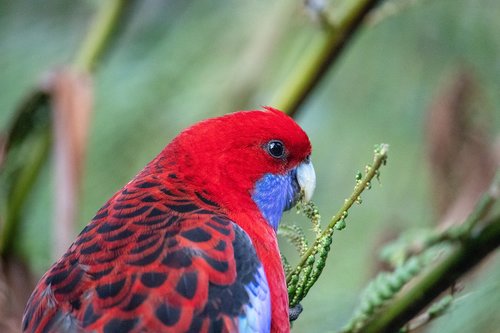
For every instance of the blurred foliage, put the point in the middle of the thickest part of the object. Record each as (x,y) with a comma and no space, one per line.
(177,62)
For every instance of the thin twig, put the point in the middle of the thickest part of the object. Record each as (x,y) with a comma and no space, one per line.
(311,264)
(379,160)
(97,39)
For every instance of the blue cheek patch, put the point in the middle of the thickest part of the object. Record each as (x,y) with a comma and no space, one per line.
(274,194)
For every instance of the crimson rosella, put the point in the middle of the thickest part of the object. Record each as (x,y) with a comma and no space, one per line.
(189,245)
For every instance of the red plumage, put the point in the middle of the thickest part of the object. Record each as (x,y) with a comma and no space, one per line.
(174,250)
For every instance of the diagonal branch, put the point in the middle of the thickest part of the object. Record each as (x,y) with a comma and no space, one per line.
(476,245)
(322,54)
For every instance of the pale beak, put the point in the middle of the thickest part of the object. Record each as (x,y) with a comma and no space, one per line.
(306,177)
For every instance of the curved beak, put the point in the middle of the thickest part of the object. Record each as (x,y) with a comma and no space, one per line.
(306,177)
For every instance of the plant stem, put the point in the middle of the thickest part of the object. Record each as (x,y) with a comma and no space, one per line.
(98,37)
(462,259)
(324,50)
(378,161)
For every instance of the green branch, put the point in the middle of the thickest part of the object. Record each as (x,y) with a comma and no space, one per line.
(480,236)
(103,28)
(461,260)
(325,49)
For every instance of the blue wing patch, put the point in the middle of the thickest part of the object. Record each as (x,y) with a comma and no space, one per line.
(257,313)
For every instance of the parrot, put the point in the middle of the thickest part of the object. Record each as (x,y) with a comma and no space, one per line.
(190,243)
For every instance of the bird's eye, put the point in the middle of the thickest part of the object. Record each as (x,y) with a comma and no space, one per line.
(276,149)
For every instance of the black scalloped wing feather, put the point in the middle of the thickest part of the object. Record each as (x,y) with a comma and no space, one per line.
(154,259)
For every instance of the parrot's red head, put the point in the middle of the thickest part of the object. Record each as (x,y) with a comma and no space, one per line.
(245,159)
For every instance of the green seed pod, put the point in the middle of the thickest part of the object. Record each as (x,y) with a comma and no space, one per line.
(394,283)
(383,287)
(413,266)
(403,274)
(340,225)
(366,307)
(359,176)
(375,299)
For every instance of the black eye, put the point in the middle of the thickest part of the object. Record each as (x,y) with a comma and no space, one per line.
(276,149)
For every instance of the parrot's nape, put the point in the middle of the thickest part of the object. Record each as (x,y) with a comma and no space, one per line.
(189,245)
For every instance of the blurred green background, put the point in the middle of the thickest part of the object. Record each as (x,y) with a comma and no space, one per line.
(177,62)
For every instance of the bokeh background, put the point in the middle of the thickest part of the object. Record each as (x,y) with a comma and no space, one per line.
(176,62)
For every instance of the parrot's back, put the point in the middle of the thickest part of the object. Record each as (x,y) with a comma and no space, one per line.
(157,257)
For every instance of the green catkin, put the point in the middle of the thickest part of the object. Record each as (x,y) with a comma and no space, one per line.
(385,287)
(323,251)
(311,276)
(303,279)
(292,286)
